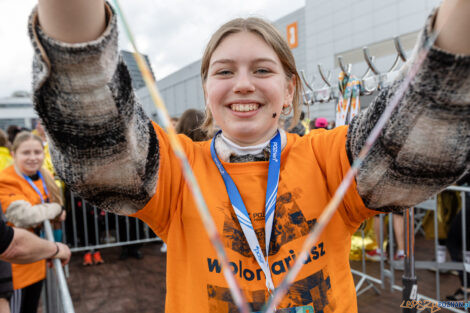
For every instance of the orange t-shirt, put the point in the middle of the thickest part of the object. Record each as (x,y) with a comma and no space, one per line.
(312,167)
(12,188)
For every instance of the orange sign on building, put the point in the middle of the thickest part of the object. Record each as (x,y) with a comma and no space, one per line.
(292,37)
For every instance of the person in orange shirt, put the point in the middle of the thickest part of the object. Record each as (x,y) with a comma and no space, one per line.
(111,153)
(28,196)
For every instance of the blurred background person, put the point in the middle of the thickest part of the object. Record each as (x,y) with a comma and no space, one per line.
(190,123)
(320,122)
(12,131)
(28,196)
(47,164)
(454,241)
(174,121)
(399,231)
(92,256)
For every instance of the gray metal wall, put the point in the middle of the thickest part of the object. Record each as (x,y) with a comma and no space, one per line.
(343,27)
(182,90)
(326,29)
(299,52)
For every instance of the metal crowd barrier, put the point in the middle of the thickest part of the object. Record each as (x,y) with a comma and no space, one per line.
(413,226)
(104,231)
(56,295)
(90,230)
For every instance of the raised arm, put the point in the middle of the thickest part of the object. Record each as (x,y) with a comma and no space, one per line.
(425,145)
(102,144)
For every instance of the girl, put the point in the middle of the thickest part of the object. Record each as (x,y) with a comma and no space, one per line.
(107,149)
(28,196)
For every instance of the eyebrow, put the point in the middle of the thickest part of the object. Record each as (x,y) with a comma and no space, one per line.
(229,61)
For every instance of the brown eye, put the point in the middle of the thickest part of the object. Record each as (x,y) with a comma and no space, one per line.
(223,73)
(263,71)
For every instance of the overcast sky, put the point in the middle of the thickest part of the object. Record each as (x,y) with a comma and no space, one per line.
(173,33)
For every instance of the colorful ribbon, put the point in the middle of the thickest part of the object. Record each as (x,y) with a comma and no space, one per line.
(349,103)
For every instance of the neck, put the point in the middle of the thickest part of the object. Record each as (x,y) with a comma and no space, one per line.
(34,176)
(250,142)
(226,148)
(243,150)
(21,173)
(28,173)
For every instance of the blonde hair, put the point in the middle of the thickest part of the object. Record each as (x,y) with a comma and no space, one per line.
(55,193)
(273,38)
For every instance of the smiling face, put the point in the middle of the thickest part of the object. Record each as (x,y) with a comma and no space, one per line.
(246,88)
(28,157)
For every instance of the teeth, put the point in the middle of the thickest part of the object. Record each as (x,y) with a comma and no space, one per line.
(245,107)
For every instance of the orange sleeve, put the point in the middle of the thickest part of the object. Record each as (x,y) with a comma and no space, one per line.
(10,190)
(159,211)
(330,150)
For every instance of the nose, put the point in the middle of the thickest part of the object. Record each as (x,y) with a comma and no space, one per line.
(243,83)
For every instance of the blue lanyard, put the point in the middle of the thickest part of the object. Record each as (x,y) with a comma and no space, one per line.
(270,204)
(36,188)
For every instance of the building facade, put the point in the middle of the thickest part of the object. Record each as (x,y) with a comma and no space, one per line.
(17,110)
(318,33)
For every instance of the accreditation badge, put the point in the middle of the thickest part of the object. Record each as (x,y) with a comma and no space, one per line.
(297,309)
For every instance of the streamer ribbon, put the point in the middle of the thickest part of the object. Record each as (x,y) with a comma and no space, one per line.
(328,212)
(349,103)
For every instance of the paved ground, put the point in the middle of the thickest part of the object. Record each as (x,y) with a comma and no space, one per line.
(139,285)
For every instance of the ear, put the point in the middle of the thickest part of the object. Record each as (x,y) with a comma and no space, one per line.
(290,90)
